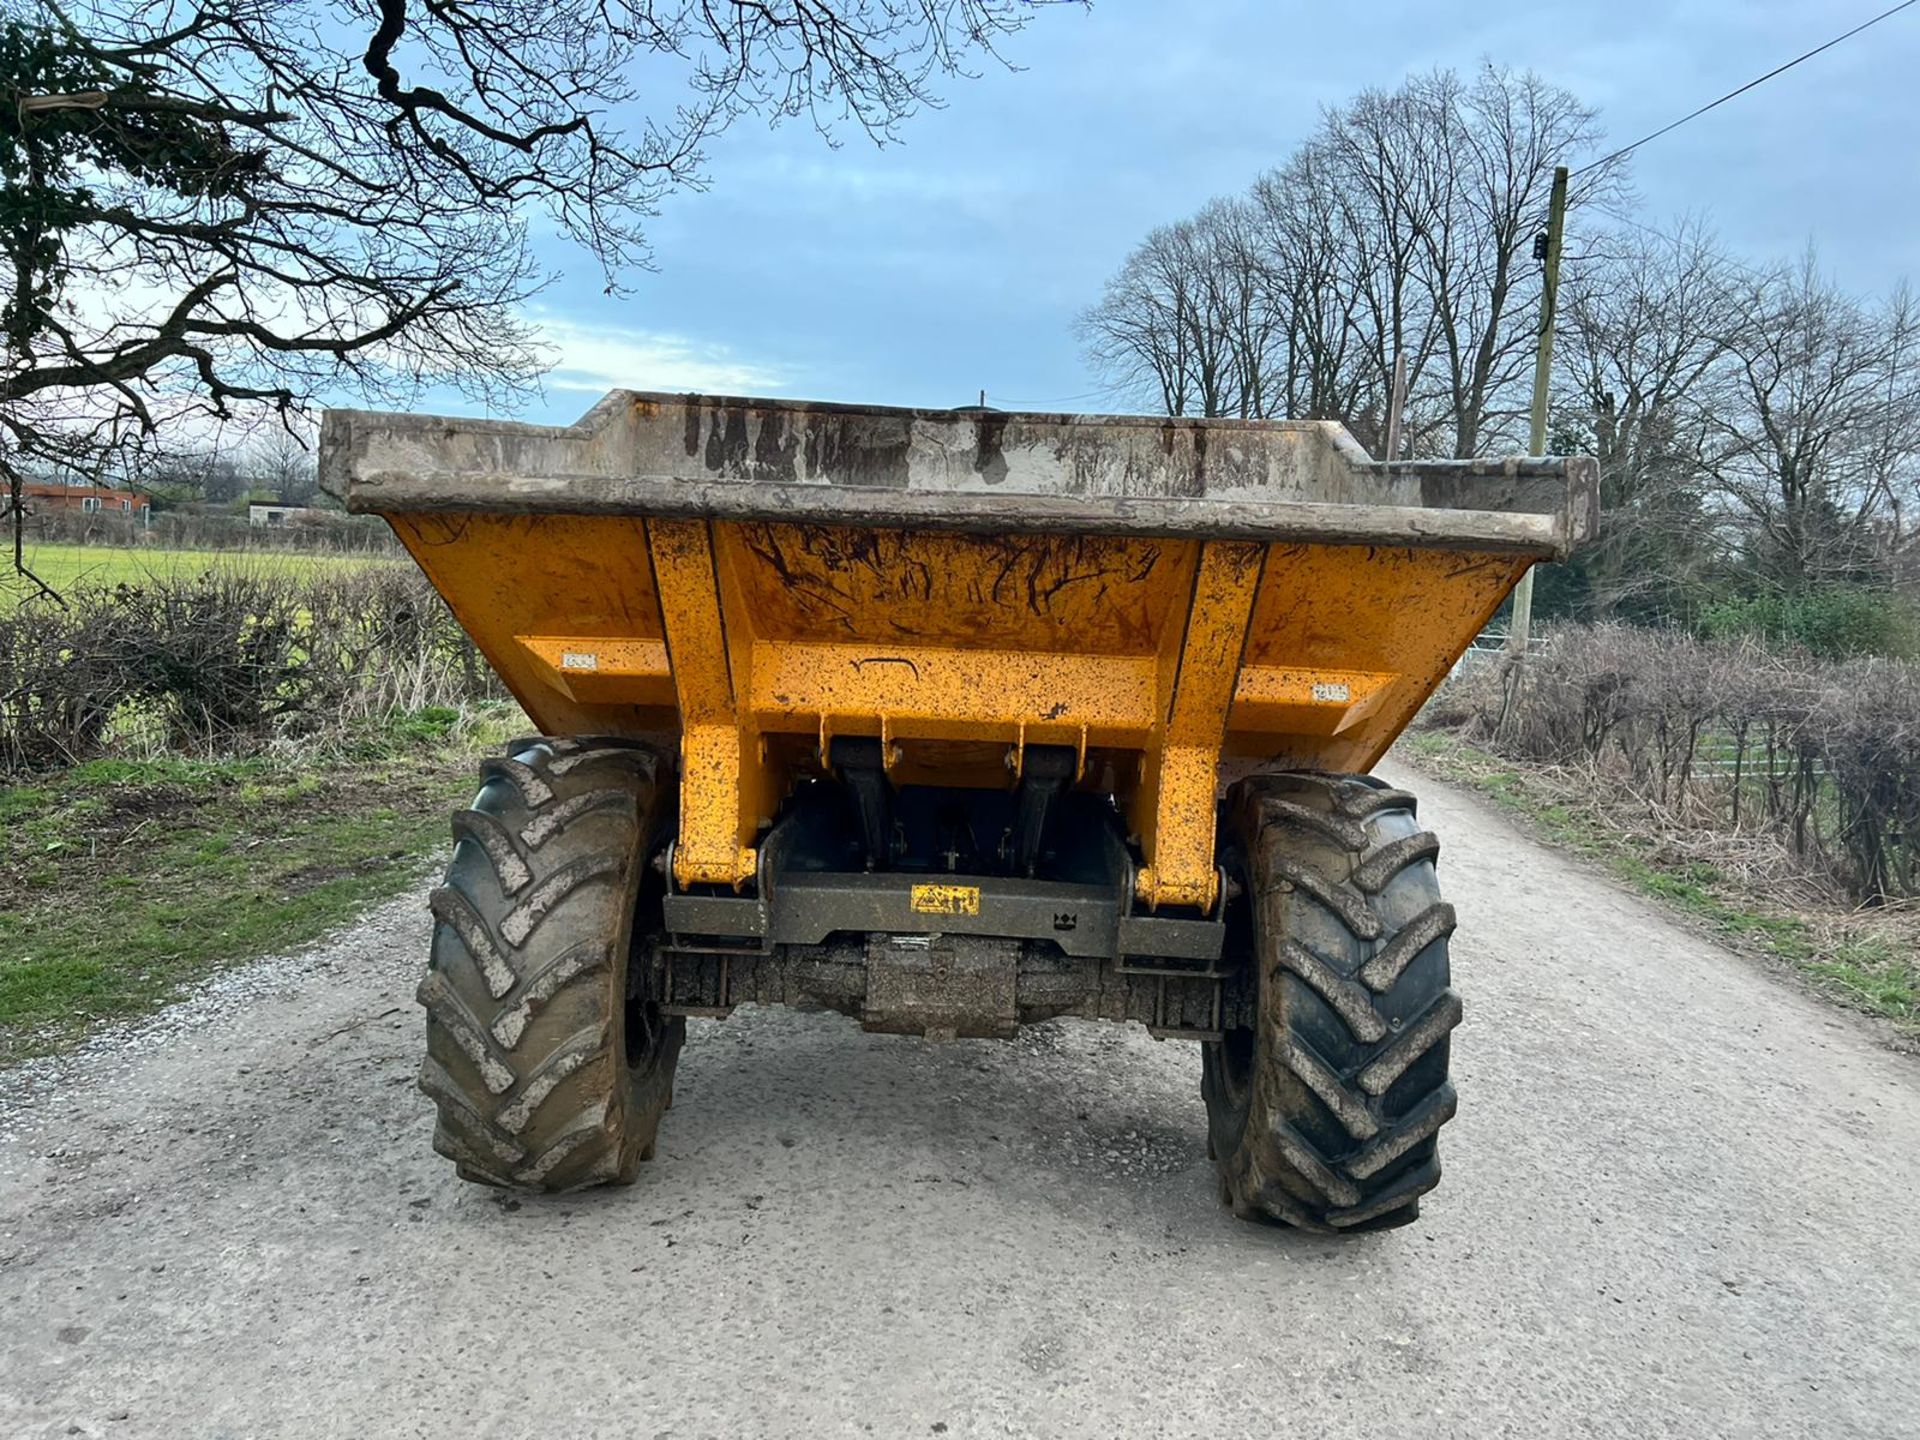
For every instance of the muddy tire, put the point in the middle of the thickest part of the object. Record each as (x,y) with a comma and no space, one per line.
(547,1059)
(1323,1114)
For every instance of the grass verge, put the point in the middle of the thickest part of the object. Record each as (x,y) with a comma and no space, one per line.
(1869,960)
(129,880)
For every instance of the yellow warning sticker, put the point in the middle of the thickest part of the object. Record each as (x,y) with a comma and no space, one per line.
(946,899)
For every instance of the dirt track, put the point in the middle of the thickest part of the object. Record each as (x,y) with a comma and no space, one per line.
(1679,1202)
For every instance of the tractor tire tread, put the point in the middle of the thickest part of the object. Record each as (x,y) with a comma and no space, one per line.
(1350,939)
(525,1063)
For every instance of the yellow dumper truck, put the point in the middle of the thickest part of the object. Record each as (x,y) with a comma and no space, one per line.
(953,721)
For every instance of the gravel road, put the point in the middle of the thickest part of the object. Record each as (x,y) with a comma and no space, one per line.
(1680,1201)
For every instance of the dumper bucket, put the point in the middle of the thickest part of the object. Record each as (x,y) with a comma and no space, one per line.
(1178,602)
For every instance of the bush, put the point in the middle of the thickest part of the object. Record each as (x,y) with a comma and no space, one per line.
(215,656)
(1834,623)
(225,662)
(1823,754)
(199,529)
(382,640)
(58,689)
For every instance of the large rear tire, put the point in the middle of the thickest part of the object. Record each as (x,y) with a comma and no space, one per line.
(1323,1114)
(547,1056)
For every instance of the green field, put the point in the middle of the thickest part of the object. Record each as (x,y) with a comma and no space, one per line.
(65,567)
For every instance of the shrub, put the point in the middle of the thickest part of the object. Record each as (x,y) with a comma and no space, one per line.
(214,655)
(1832,623)
(201,529)
(1823,754)
(59,688)
(226,661)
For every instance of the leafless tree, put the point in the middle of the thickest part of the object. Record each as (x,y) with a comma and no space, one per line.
(1318,268)
(1645,330)
(1494,143)
(1405,224)
(1136,337)
(181,467)
(211,205)
(1756,430)
(281,462)
(1817,440)
(1180,325)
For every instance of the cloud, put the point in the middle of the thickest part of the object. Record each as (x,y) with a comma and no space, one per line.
(596,358)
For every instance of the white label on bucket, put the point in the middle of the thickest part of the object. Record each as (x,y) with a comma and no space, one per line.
(579,660)
(1331,691)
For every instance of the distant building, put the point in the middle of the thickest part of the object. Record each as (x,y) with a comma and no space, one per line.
(88,499)
(282,515)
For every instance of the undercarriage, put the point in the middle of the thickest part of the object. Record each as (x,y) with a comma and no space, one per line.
(950,912)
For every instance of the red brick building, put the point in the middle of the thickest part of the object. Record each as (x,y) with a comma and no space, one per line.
(89,499)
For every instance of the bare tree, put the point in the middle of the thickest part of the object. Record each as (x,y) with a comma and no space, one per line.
(1817,440)
(1137,336)
(1235,303)
(1493,144)
(177,466)
(1165,329)
(1755,430)
(1383,174)
(281,462)
(236,203)
(1405,224)
(1317,267)
(1646,322)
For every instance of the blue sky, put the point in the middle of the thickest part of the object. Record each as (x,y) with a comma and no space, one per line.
(956,259)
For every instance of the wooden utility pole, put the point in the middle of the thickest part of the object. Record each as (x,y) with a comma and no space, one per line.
(1542,373)
(1396,407)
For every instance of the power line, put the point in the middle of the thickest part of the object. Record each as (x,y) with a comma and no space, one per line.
(1067,399)
(1626,150)
(1719,256)
(1731,94)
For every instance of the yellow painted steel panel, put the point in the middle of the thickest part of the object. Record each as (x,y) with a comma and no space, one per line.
(953,694)
(1172,666)
(1173,810)
(1086,594)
